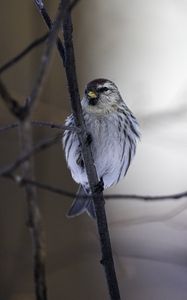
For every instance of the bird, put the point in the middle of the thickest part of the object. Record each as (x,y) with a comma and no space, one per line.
(113,132)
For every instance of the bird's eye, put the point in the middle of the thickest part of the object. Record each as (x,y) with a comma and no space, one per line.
(103,89)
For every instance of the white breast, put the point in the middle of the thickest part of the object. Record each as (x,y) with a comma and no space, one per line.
(107,146)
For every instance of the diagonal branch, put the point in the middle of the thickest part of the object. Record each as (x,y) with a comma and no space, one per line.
(30,152)
(24,52)
(73,4)
(62,192)
(10,102)
(107,258)
(47,19)
(45,62)
(8,126)
(39,124)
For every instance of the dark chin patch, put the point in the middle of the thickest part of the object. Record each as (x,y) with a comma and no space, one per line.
(92,101)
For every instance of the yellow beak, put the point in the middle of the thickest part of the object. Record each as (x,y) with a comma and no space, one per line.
(92,95)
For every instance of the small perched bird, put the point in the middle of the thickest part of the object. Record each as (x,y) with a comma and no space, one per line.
(113,132)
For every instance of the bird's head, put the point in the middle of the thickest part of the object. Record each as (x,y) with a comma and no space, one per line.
(101,97)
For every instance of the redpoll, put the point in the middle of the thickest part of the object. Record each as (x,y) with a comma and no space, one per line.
(114,132)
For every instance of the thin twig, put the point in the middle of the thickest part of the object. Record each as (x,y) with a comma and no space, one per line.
(54,125)
(9,101)
(59,191)
(147,198)
(39,124)
(73,4)
(8,127)
(24,52)
(41,7)
(107,258)
(47,19)
(45,60)
(46,143)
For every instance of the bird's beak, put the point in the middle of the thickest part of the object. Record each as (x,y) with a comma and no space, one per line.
(92,95)
(92,98)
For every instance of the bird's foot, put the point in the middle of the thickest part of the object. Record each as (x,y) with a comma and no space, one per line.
(99,187)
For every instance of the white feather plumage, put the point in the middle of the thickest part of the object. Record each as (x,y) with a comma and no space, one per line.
(114,131)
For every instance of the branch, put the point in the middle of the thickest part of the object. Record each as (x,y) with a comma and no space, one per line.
(73,4)
(107,259)
(39,124)
(9,101)
(24,52)
(44,14)
(59,191)
(146,198)
(34,217)
(30,152)
(45,61)
(8,126)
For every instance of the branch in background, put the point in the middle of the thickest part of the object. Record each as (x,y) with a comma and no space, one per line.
(24,52)
(39,124)
(9,101)
(147,198)
(45,62)
(8,126)
(62,192)
(47,19)
(34,216)
(73,4)
(32,150)
(59,191)
(107,258)
(38,41)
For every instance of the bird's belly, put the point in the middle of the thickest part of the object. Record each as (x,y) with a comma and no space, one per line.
(107,157)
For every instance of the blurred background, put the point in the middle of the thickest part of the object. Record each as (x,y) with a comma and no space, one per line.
(142,47)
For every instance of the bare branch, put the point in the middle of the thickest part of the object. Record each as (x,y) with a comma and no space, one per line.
(23,114)
(51,125)
(59,191)
(54,125)
(147,198)
(8,126)
(34,217)
(24,52)
(107,258)
(9,101)
(73,4)
(41,7)
(32,150)
(45,60)
(39,124)
(47,19)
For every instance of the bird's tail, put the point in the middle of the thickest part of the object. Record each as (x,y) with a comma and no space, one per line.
(82,204)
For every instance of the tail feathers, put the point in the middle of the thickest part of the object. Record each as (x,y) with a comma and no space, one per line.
(82,204)
(90,209)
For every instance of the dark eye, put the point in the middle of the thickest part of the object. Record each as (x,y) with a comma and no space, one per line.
(103,89)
